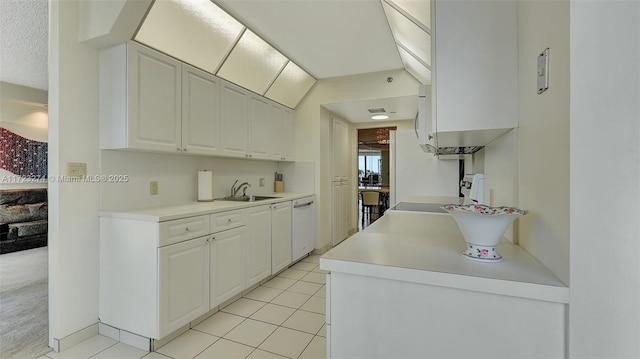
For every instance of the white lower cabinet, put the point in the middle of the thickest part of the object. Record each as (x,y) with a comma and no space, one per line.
(156,277)
(227,266)
(280,236)
(269,240)
(182,300)
(371,317)
(259,244)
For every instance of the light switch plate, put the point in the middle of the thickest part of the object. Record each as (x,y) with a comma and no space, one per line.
(543,71)
(153,188)
(76,169)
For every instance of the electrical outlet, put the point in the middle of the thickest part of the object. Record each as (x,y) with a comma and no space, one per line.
(261,181)
(153,188)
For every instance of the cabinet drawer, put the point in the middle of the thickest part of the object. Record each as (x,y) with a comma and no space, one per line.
(182,229)
(226,220)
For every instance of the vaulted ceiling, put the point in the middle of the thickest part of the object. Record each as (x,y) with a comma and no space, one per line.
(326,38)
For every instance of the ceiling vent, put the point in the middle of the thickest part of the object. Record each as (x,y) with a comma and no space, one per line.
(377,110)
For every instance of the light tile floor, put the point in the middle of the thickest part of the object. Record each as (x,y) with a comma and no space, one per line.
(283,318)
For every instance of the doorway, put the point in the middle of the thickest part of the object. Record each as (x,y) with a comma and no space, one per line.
(373,174)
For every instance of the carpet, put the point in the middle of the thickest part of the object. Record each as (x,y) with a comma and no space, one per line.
(24,313)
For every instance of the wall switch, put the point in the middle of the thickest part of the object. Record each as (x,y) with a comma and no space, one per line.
(261,181)
(543,71)
(76,169)
(153,188)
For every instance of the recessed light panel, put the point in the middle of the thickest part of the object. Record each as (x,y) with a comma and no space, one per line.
(420,10)
(195,31)
(252,64)
(290,86)
(411,36)
(415,67)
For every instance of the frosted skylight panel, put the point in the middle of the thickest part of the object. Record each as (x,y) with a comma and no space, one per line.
(411,36)
(418,9)
(195,31)
(415,67)
(290,86)
(252,64)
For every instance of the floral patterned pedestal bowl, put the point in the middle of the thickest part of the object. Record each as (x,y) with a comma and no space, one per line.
(482,227)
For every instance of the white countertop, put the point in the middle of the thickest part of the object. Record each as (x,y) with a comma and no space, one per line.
(167,213)
(426,248)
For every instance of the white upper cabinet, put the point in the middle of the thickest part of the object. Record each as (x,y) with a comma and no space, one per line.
(260,126)
(234,118)
(150,101)
(282,133)
(200,112)
(474,70)
(140,99)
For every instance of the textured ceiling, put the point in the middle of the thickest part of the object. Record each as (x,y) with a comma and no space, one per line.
(23,42)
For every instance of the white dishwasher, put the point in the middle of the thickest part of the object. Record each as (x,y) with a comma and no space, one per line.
(303,239)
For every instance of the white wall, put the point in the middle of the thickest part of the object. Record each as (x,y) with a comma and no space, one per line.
(605,190)
(419,173)
(177,178)
(73,207)
(535,158)
(501,175)
(312,127)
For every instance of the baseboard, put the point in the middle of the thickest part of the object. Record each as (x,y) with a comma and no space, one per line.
(75,338)
(157,344)
(125,337)
(321,250)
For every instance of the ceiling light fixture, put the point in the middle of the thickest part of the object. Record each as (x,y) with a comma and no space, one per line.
(379,117)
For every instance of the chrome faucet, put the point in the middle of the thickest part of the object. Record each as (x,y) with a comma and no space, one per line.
(244,187)
(235,190)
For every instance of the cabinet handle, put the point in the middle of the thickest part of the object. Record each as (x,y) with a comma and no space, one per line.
(185,149)
(178,149)
(187,229)
(228,220)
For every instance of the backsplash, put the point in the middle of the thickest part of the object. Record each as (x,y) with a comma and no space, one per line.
(177,178)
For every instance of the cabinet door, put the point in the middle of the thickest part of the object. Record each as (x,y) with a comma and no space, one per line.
(287,125)
(260,127)
(183,283)
(282,133)
(200,112)
(227,264)
(280,236)
(277,136)
(337,213)
(154,100)
(258,264)
(488,60)
(233,120)
(346,209)
(339,146)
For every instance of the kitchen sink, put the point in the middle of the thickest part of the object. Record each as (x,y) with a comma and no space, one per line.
(248,198)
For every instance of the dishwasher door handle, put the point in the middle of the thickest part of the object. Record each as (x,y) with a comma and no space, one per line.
(303,204)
